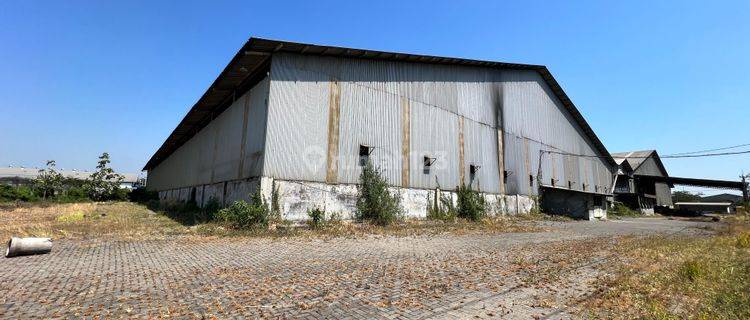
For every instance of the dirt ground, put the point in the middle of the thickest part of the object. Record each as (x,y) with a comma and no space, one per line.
(542,274)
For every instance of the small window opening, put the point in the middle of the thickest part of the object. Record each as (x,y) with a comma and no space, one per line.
(531,181)
(552,181)
(428,162)
(570,184)
(473,169)
(506,174)
(364,154)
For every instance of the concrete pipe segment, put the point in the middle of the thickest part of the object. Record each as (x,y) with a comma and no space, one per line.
(27,246)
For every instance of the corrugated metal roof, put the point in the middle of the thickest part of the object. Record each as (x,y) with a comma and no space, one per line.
(251,63)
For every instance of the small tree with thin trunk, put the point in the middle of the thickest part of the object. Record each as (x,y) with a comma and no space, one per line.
(375,203)
(104,182)
(49,181)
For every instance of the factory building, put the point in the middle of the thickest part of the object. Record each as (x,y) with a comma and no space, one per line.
(304,118)
(642,181)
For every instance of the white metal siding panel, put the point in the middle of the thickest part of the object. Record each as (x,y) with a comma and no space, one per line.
(434,133)
(373,118)
(480,148)
(256,130)
(534,120)
(214,150)
(297,135)
(532,111)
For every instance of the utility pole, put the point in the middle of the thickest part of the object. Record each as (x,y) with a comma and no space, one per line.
(744,178)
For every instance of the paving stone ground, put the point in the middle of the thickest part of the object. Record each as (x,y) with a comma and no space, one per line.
(504,275)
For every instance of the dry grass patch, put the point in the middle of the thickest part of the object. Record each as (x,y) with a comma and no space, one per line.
(122,220)
(680,277)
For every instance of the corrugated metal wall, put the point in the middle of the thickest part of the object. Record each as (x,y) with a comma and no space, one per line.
(439,96)
(534,119)
(663,194)
(215,153)
(649,167)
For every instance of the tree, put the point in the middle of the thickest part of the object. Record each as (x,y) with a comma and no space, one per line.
(49,181)
(686,196)
(104,183)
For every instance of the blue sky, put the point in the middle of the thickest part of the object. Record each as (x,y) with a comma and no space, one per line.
(81,77)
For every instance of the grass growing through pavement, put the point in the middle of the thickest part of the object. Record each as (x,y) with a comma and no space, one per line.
(682,277)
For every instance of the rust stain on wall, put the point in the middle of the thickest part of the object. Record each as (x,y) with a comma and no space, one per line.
(461,150)
(405,143)
(334,110)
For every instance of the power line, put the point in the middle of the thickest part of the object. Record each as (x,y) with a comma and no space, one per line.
(710,150)
(645,157)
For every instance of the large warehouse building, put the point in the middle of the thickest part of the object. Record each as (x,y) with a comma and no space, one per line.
(304,117)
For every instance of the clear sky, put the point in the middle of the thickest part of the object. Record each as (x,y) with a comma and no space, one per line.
(81,77)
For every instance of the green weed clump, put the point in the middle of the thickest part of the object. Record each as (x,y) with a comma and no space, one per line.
(621,210)
(242,215)
(441,208)
(375,203)
(471,205)
(317,217)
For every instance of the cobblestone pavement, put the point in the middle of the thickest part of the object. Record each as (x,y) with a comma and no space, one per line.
(506,275)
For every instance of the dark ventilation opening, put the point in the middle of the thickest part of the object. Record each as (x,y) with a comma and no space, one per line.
(531,181)
(364,154)
(584,187)
(427,161)
(552,181)
(473,169)
(570,184)
(506,173)
(597,201)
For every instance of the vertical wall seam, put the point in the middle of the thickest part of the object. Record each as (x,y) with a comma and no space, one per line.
(405,143)
(527,162)
(334,110)
(461,150)
(244,135)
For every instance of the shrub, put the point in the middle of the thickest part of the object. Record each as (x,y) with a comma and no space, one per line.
(471,205)
(620,209)
(21,193)
(317,217)
(243,215)
(374,202)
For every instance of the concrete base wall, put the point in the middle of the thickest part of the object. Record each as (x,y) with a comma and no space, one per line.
(223,192)
(297,197)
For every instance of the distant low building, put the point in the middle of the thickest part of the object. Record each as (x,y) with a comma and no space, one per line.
(640,181)
(706,207)
(18,176)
